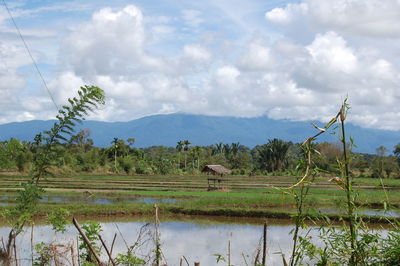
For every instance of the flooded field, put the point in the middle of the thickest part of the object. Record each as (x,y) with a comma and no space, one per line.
(197,239)
(5,200)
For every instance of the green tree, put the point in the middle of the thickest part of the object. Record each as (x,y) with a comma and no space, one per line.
(82,140)
(196,152)
(396,152)
(179,148)
(12,154)
(217,148)
(45,154)
(381,151)
(272,156)
(186,144)
(119,148)
(130,141)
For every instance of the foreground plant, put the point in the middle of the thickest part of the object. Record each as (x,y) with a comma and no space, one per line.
(300,191)
(353,243)
(45,151)
(302,246)
(45,154)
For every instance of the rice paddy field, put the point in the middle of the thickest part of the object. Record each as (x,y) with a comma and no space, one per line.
(252,196)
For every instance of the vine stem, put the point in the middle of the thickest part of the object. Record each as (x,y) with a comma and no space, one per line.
(349,190)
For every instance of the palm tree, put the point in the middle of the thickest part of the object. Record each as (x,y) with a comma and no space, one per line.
(217,148)
(115,143)
(196,153)
(381,151)
(179,148)
(272,156)
(130,141)
(235,148)
(227,150)
(186,144)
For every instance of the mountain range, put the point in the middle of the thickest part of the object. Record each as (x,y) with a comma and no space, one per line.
(168,129)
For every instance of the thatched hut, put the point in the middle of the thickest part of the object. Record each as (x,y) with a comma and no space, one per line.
(215,183)
(216,169)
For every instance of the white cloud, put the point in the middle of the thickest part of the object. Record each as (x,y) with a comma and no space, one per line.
(227,77)
(258,56)
(192,18)
(286,15)
(374,18)
(112,42)
(330,51)
(196,54)
(317,53)
(366,17)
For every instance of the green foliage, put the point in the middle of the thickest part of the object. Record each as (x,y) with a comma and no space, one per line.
(44,256)
(58,220)
(13,155)
(92,230)
(26,205)
(272,156)
(44,148)
(129,259)
(353,243)
(219,258)
(390,248)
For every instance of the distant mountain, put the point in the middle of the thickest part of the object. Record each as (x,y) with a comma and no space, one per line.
(205,130)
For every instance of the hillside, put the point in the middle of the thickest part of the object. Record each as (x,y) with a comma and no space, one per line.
(205,130)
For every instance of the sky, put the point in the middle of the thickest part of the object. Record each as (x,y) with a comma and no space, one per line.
(295,60)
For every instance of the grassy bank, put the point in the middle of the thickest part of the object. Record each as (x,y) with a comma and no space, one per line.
(133,209)
(255,196)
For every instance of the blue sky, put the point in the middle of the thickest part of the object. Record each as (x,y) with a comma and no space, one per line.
(293,60)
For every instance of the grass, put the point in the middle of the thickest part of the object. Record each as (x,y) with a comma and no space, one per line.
(244,194)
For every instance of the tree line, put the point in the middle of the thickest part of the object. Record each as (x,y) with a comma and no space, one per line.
(276,156)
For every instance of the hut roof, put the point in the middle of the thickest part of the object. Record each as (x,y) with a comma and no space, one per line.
(216,169)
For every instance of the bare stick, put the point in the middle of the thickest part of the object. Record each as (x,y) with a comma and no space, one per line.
(186,260)
(2,242)
(284,260)
(77,250)
(72,254)
(108,252)
(157,240)
(244,258)
(112,246)
(257,256)
(15,253)
(264,244)
(229,253)
(122,236)
(86,240)
(33,224)
(55,256)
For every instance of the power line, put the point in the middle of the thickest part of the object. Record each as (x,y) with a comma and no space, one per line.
(30,55)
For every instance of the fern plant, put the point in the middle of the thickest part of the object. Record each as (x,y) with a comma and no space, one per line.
(45,153)
(88,98)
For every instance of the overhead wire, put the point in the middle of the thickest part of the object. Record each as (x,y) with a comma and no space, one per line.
(30,54)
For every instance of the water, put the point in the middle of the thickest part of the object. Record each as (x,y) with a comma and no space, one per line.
(380,213)
(196,238)
(196,241)
(368,212)
(95,200)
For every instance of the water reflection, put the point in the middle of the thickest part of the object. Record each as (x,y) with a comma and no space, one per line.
(368,212)
(197,242)
(94,200)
